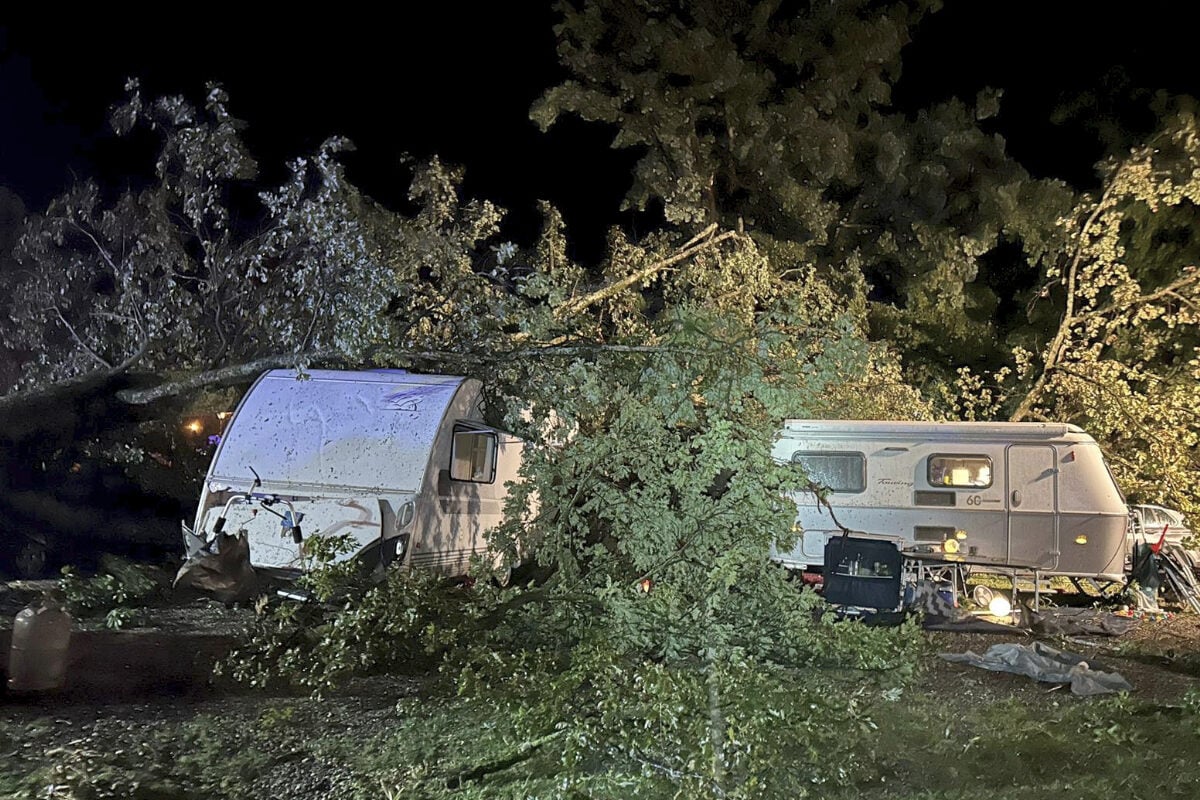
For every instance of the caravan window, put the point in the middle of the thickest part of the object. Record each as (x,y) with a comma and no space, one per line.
(839,472)
(968,472)
(474,456)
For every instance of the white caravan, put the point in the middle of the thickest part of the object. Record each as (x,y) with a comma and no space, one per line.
(401,463)
(1010,494)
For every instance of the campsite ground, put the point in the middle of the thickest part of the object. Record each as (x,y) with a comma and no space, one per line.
(954,731)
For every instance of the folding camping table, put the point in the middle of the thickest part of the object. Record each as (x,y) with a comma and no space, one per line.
(928,565)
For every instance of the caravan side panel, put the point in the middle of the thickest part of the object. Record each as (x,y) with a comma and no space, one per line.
(458,514)
(1005,493)
(364,433)
(1094,519)
(899,497)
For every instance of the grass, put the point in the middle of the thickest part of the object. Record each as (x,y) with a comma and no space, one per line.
(392,738)
(1107,748)
(920,747)
(449,748)
(204,756)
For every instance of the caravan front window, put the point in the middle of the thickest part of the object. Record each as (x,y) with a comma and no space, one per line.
(474,456)
(838,472)
(967,472)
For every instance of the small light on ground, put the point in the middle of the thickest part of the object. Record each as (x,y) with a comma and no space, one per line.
(999,607)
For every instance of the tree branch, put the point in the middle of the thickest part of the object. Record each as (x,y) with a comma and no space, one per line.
(104,254)
(1170,290)
(222,376)
(133,358)
(237,373)
(525,751)
(703,241)
(1117,399)
(24,398)
(74,335)
(1054,349)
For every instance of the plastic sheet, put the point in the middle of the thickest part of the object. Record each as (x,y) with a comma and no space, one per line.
(221,568)
(1044,663)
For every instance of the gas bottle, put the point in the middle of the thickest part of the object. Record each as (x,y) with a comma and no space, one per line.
(41,636)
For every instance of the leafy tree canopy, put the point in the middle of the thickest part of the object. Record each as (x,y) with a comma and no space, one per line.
(779,117)
(1124,360)
(203,270)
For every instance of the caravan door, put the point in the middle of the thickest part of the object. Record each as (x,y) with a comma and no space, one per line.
(1032,505)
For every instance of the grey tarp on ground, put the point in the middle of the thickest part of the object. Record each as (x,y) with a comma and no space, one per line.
(1042,662)
(1080,622)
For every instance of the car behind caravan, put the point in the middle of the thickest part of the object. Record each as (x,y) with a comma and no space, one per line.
(401,464)
(1034,495)
(1151,523)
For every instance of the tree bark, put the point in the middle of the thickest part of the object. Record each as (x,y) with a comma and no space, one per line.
(222,376)
(703,241)
(239,373)
(15,401)
(716,724)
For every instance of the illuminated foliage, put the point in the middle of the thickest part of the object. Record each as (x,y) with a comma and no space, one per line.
(661,637)
(1123,362)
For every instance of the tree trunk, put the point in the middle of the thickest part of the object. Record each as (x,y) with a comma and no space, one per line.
(716,725)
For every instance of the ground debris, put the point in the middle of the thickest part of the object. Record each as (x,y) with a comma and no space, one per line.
(1042,662)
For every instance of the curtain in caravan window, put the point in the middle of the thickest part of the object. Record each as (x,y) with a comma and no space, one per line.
(839,472)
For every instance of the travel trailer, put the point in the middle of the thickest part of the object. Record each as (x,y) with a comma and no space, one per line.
(401,464)
(1036,496)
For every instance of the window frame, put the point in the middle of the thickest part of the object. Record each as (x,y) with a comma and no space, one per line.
(861,456)
(461,428)
(991,465)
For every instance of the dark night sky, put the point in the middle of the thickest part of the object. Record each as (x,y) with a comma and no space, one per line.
(460,81)
(456,84)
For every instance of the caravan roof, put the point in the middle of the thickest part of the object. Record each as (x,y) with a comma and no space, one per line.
(357,430)
(876,429)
